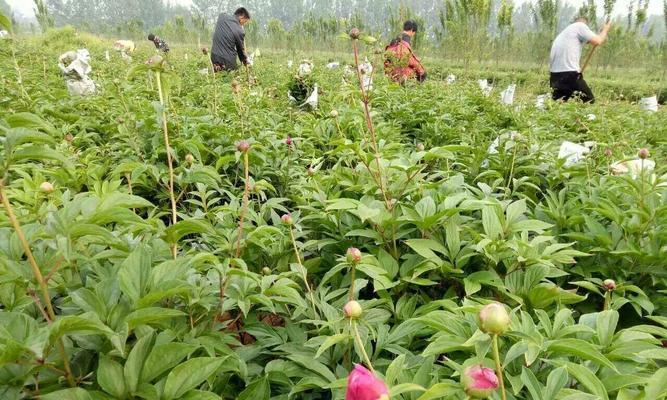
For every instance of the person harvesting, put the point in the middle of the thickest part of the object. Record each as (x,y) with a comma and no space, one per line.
(567,79)
(401,63)
(228,41)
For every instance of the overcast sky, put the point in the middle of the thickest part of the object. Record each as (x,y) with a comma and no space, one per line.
(25,7)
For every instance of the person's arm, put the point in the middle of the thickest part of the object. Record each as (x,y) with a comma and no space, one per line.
(414,63)
(239,38)
(597,40)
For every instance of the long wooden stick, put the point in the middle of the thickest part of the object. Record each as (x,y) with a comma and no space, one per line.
(588,59)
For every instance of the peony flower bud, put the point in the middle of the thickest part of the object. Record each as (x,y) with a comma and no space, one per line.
(189,158)
(420,146)
(204,50)
(493,319)
(69,138)
(353,309)
(46,187)
(363,385)
(288,141)
(608,152)
(287,219)
(353,255)
(644,153)
(355,33)
(243,146)
(266,271)
(333,114)
(479,382)
(609,285)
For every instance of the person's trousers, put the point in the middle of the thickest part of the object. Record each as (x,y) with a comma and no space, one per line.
(221,64)
(566,85)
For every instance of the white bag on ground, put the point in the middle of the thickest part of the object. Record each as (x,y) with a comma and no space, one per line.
(572,153)
(649,103)
(76,72)
(507,96)
(4,34)
(333,65)
(305,68)
(540,102)
(451,78)
(632,167)
(485,87)
(313,99)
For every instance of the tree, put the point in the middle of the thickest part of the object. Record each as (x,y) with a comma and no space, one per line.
(42,14)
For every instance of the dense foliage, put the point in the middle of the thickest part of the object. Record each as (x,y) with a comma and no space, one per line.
(236,300)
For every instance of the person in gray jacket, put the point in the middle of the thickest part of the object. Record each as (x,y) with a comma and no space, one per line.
(228,41)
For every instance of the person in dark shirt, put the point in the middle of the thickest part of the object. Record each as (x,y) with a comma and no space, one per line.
(228,41)
(160,44)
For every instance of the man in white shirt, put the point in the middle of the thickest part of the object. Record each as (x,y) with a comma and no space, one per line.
(566,78)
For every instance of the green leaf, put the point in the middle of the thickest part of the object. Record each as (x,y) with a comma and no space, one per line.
(67,394)
(581,349)
(30,121)
(426,248)
(656,387)
(163,358)
(257,390)
(135,362)
(134,273)
(5,23)
(84,324)
(331,341)
(189,375)
(404,388)
(151,315)
(555,382)
(491,222)
(110,377)
(442,390)
(606,326)
(187,227)
(585,377)
(532,384)
(313,365)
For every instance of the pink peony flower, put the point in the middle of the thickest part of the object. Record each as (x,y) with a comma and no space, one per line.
(609,285)
(287,219)
(479,381)
(363,385)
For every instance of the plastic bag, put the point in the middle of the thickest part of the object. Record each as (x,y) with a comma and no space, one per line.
(333,65)
(485,87)
(649,103)
(633,167)
(124,46)
(451,78)
(366,71)
(76,72)
(572,153)
(305,68)
(540,102)
(591,117)
(507,96)
(4,34)
(313,99)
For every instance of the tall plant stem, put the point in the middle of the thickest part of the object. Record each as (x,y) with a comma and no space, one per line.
(244,207)
(38,276)
(304,275)
(499,367)
(357,337)
(371,128)
(172,197)
(353,270)
(607,300)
